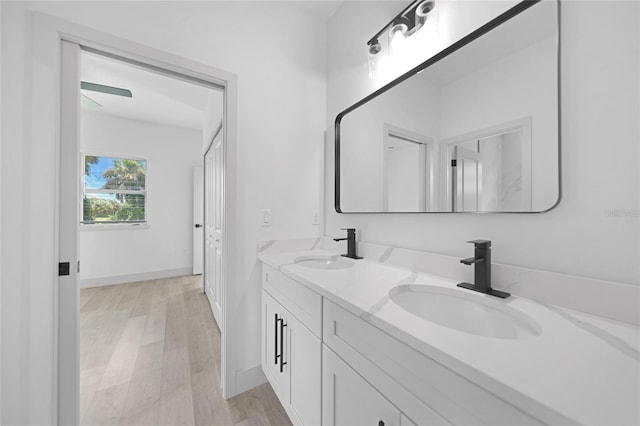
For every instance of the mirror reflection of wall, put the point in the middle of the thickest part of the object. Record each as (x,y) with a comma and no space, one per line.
(492,105)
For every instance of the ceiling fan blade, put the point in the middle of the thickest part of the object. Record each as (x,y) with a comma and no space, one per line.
(87,101)
(85,85)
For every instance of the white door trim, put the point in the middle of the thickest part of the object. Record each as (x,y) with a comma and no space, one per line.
(48,35)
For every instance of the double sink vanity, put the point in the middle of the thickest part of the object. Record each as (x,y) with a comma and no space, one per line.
(413,338)
(359,342)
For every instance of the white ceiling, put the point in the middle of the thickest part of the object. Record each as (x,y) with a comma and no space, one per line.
(322,9)
(161,99)
(156,98)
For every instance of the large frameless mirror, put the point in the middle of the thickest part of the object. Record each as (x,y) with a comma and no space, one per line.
(473,129)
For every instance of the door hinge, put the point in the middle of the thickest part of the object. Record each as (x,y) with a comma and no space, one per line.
(454,163)
(63,269)
(78,266)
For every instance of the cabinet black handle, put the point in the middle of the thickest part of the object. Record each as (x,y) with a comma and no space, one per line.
(275,334)
(282,326)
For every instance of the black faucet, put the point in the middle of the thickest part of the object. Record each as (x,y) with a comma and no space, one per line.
(351,243)
(482,264)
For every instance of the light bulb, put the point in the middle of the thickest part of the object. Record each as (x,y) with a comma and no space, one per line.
(374,58)
(422,10)
(397,37)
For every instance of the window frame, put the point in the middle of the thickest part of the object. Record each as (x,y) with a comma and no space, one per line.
(111,225)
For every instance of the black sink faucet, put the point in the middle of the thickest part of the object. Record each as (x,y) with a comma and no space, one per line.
(351,243)
(482,265)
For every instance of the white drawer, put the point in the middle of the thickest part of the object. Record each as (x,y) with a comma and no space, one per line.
(430,393)
(300,301)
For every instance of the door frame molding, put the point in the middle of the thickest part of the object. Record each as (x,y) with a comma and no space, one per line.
(47,67)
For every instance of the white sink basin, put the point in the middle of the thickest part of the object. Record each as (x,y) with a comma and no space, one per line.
(467,312)
(323,262)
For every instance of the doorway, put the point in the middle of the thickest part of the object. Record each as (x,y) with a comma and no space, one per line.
(490,169)
(72,213)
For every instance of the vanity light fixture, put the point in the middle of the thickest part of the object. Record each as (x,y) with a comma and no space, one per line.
(402,26)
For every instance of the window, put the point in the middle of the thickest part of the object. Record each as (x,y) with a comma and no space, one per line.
(113,190)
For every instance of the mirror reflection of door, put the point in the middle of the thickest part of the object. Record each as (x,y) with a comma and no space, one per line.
(467,177)
(491,170)
(406,174)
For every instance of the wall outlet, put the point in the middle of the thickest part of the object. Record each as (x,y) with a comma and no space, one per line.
(266,217)
(316,218)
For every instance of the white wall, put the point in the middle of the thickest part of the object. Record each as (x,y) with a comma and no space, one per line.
(594,230)
(278,53)
(165,247)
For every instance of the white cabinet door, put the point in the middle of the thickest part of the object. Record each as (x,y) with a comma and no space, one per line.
(274,344)
(291,360)
(348,399)
(303,357)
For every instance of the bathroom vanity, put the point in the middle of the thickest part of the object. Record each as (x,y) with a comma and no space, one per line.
(475,128)
(358,342)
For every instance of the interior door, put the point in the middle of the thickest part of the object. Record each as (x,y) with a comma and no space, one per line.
(69,216)
(198,235)
(214,220)
(406,171)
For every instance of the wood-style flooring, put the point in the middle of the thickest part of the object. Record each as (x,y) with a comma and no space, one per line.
(150,355)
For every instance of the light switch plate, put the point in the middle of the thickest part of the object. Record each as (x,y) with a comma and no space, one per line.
(266,217)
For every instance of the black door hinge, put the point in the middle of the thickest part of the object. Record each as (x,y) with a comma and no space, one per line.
(454,163)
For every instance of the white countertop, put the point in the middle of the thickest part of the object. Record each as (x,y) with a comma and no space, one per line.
(584,368)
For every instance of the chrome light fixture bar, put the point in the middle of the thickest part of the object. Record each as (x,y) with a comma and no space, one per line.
(407,22)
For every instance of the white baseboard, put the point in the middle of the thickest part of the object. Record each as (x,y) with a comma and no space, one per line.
(249,379)
(129,278)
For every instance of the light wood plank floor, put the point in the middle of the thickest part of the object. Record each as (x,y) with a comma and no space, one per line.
(150,355)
